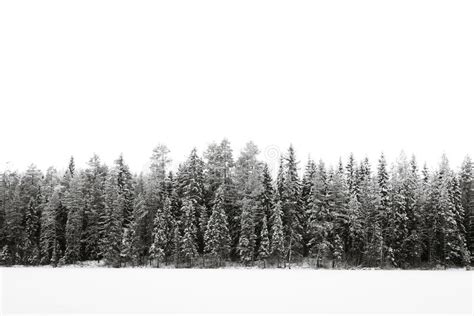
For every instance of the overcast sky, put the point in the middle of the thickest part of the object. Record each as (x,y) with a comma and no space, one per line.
(330,77)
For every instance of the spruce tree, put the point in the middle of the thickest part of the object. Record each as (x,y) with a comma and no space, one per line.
(278,238)
(112,220)
(189,242)
(307,203)
(217,238)
(247,238)
(160,238)
(291,206)
(74,200)
(94,187)
(31,204)
(264,247)
(467,199)
(48,237)
(191,186)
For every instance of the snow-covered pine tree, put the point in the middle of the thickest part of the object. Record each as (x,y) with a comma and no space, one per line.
(13,227)
(467,199)
(264,246)
(75,202)
(191,186)
(217,238)
(356,231)
(160,237)
(163,233)
(94,186)
(278,237)
(291,206)
(125,189)
(446,245)
(112,220)
(247,238)
(351,176)
(248,174)
(307,199)
(338,197)
(189,242)
(48,237)
(320,222)
(219,171)
(462,249)
(31,204)
(267,195)
(127,251)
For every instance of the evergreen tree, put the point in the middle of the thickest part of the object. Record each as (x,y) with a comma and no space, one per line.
(264,247)
(291,206)
(95,176)
(247,233)
(191,186)
(277,241)
(30,199)
(74,200)
(112,220)
(217,238)
(320,222)
(48,238)
(160,238)
(307,202)
(467,199)
(188,242)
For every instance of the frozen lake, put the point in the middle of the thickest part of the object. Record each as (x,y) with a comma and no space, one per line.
(98,290)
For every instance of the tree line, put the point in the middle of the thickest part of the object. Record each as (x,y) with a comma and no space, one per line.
(214,210)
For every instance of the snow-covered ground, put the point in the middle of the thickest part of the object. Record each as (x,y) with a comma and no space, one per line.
(92,290)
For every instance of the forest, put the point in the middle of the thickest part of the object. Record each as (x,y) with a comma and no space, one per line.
(215,211)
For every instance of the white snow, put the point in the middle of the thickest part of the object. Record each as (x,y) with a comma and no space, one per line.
(95,290)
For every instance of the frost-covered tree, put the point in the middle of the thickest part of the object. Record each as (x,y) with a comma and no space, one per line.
(75,202)
(307,200)
(189,242)
(94,190)
(217,238)
(467,198)
(160,238)
(31,206)
(320,221)
(291,206)
(191,186)
(278,238)
(112,220)
(247,238)
(264,246)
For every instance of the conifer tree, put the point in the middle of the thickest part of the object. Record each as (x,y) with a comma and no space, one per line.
(338,197)
(74,200)
(188,242)
(160,238)
(467,199)
(247,233)
(264,247)
(48,238)
(320,222)
(217,238)
(112,220)
(307,199)
(30,199)
(191,186)
(291,206)
(277,241)
(95,176)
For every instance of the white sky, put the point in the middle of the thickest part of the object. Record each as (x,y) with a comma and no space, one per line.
(331,77)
